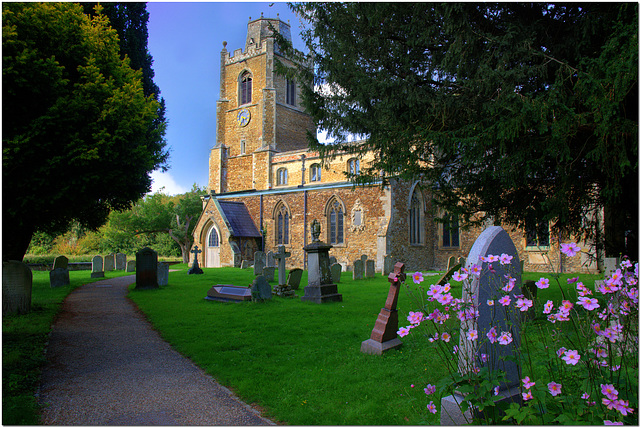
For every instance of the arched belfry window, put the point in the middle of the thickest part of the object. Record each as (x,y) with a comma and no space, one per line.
(335,219)
(245,88)
(282,217)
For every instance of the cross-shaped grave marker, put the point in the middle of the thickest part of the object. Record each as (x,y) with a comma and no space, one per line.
(195,268)
(282,256)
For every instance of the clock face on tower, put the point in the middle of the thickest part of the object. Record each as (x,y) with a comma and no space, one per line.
(243,117)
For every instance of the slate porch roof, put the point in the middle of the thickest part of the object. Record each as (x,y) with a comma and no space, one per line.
(238,219)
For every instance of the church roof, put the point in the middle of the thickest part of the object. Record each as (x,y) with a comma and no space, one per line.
(238,219)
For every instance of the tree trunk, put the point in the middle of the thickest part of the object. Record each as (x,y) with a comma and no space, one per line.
(15,240)
(185,252)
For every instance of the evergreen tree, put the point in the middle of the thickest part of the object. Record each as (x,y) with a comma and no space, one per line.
(522,112)
(79,135)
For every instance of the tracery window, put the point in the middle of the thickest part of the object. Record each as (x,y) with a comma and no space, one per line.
(291,92)
(415,220)
(336,222)
(245,88)
(214,240)
(315,173)
(282,224)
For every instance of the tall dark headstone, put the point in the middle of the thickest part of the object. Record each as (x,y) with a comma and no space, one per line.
(195,268)
(121,261)
(59,275)
(61,262)
(259,262)
(110,262)
(146,269)
(17,281)
(260,289)
(97,267)
(384,335)
(321,288)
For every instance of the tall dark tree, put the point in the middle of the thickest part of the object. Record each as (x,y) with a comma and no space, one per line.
(79,135)
(524,112)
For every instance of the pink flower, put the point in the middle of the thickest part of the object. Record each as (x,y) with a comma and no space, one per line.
(571,357)
(496,390)
(505,259)
(459,277)
(572,280)
(543,283)
(569,249)
(492,258)
(548,307)
(505,338)
(524,304)
(475,269)
(472,335)
(432,408)
(585,396)
(554,388)
(403,332)
(430,389)
(588,303)
(622,406)
(609,391)
(490,302)
(417,277)
(415,318)
(492,335)
(444,299)
(511,282)
(608,402)
(613,423)
(566,305)
(527,396)
(561,351)
(445,337)
(528,383)
(505,300)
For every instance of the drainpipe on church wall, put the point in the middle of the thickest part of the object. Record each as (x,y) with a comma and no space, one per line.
(261,224)
(305,228)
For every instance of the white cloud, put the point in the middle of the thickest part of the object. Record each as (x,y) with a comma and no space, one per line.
(160,180)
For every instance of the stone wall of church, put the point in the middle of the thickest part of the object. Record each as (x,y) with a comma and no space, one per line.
(240,173)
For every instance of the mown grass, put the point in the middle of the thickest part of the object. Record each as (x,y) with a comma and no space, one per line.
(23,341)
(300,361)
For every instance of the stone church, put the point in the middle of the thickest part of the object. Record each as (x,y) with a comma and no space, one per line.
(266,187)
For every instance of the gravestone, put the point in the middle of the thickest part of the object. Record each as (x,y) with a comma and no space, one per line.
(610,266)
(268,273)
(96,267)
(260,289)
(163,274)
(294,278)
(61,262)
(336,272)
(237,255)
(370,269)
(109,262)
(462,261)
(121,261)
(245,264)
(259,261)
(195,268)
(384,335)
(451,262)
(387,265)
(364,259)
(131,266)
(281,256)
(59,277)
(17,280)
(229,293)
(146,269)
(271,260)
(358,270)
(493,241)
(321,288)
(332,260)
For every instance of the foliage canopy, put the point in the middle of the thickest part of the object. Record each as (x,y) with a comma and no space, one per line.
(520,112)
(79,135)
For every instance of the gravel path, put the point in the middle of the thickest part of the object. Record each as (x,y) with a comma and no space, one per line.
(107,366)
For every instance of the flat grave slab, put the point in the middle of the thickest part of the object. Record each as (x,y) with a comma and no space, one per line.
(228,293)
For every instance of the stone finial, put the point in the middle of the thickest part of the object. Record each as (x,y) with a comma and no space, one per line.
(224,45)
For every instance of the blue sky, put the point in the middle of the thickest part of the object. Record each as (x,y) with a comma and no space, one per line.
(185,40)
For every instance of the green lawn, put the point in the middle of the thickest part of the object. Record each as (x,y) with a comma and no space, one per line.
(300,361)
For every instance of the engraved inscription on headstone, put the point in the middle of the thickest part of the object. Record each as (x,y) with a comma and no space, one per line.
(146,269)
(121,261)
(358,269)
(17,281)
(269,273)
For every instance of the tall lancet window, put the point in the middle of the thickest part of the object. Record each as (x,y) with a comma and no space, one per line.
(336,223)
(415,223)
(245,88)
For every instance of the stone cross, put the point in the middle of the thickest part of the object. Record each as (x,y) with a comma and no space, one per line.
(384,334)
(195,268)
(282,256)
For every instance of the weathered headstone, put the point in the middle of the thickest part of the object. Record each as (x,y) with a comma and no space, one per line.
(110,262)
(163,274)
(370,269)
(610,266)
(294,278)
(121,261)
(259,261)
(271,260)
(336,272)
(96,267)
(281,256)
(451,262)
(384,335)
(131,266)
(260,289)
(332,260)
(195,268)
(146,269)
(321,288)
(245,264)
(17,281)
(268,273)
(60,261)
(388,265)
(59,277)
(237,255)
(358,270)
(462,261)
(493,241)
(364,259)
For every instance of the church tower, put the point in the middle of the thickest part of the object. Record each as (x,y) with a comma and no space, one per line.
(258,113)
